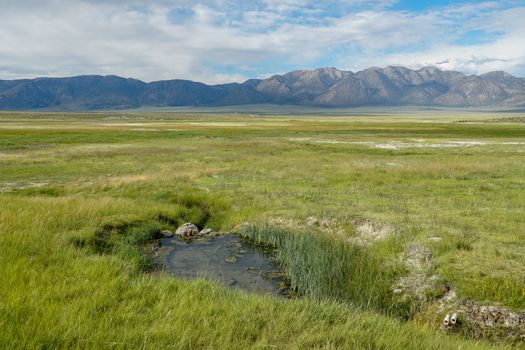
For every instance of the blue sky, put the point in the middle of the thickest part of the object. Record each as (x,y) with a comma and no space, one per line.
(232,40)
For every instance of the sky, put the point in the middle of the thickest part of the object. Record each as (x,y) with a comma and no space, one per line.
(234,40)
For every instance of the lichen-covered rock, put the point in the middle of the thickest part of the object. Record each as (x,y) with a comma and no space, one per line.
(489,321)
(187,230)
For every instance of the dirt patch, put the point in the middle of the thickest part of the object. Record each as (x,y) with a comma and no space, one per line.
(373,231)
(128,124)
(402,145)
(397,145)
(299,139)
(418,285)
(367,231)
(285,222)
(325,224)
(504,120)
(221,124)
(416,143)
(329,141)
(326,141)
(16,186)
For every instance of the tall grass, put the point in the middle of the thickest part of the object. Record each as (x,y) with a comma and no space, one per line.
(323,267)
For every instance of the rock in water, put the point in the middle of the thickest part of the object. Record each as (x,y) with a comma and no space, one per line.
(167,233)
(187,230)
(205,231)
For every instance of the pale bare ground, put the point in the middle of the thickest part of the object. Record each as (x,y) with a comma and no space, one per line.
(366,231)
(130,124)
(417,143)
(10,155)
(395,145)
(21,185)
(65,149)
(115,181)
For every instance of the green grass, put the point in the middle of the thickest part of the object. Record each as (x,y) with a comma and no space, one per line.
(323,267)
(80,194)
(126,241)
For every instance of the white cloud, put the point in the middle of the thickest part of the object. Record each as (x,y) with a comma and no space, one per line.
(128,38)
(506,52)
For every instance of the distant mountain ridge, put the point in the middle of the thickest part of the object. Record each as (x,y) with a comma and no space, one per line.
(324,87)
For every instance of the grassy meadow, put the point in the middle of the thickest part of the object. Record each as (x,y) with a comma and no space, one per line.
(81,193)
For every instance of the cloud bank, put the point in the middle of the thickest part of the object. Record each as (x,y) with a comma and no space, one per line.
(232,40)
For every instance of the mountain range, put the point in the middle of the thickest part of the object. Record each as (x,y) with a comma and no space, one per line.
(324,87)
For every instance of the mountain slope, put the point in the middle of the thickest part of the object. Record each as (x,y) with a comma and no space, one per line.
(330,87)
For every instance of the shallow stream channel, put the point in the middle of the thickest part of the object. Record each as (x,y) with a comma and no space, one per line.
(228,259)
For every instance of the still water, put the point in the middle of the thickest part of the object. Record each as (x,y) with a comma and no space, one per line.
(227,259)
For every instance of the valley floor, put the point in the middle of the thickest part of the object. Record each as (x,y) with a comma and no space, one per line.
(403,209)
